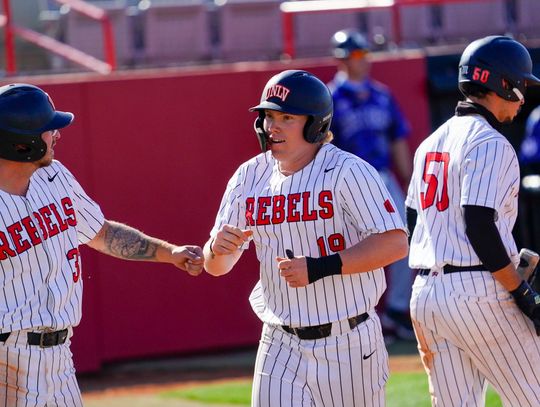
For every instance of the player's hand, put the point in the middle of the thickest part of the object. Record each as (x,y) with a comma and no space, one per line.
(229,239)
(528,301)
(294,271)
(188,258)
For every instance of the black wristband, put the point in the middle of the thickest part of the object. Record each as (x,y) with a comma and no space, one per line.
(522,290)
(323,267)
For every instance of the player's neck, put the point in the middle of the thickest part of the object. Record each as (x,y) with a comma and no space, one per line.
(295,164)
(15,177)
(490,102)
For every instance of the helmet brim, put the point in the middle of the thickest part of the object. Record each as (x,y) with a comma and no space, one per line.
(532,80)
(59,121)
(266,105)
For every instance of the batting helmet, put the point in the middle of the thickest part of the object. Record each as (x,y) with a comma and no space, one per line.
(301,93)
(345,42)
(26,112)
(491,61)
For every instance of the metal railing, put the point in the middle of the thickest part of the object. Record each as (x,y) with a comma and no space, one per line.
(11,29)
(291,8)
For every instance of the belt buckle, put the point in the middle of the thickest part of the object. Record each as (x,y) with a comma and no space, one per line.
(42,336)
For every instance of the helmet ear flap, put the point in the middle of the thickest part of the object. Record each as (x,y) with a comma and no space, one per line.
(308,132)
(258,125)
(314,130)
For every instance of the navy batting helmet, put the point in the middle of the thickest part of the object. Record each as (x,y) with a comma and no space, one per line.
(26,112)
(301,93)
(346,42)
(500,64)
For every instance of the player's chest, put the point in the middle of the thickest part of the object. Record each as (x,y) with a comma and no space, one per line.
(28,222)
(289,201)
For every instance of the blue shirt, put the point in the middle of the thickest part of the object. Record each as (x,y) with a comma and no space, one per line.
(530,147)
(367,120)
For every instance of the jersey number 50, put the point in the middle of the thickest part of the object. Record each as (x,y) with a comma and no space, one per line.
(432,177)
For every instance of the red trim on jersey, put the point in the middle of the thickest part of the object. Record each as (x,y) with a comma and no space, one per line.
(388,206)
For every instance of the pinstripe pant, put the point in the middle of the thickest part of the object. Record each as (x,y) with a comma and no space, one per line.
(470,333)
(34,377)
(344,370)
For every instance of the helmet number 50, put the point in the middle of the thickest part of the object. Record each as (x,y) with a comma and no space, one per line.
(436,178)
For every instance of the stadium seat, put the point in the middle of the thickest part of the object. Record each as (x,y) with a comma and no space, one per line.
(463,22)
(379,28)
(250,30)
(528,18)
(417,26)
(86,34)
(176,32)
(313,31)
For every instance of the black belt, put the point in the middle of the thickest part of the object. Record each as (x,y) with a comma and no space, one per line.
(43,339)
(455,269)
(324,330)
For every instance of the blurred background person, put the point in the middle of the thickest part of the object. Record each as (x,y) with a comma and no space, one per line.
(529,153)
(368,122)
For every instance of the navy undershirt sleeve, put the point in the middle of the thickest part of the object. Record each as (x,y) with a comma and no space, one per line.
(411,220)
(484,236)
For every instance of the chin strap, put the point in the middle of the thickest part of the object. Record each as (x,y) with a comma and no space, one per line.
(518,94)
(261,134)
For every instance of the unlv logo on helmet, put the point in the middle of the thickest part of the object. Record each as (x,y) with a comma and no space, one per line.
(278,91)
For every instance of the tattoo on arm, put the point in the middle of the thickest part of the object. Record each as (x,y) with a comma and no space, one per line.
(128,243)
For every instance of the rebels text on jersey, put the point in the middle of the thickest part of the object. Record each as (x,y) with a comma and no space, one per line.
(331,204)
(40,266)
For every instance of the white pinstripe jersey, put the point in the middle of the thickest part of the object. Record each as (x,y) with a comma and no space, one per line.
(331,204)
(40,266)
(464,162)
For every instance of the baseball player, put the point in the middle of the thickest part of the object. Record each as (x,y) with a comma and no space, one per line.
(369,123)
(44,216)
(323,225)
(473,315)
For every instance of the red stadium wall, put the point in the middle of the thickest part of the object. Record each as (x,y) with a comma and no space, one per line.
(156,149)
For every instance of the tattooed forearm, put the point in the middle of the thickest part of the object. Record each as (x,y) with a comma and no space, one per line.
(127,243)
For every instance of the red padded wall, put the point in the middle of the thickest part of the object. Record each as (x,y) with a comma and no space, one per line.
(156,149)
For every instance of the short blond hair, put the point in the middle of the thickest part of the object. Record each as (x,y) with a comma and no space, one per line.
(329,136)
